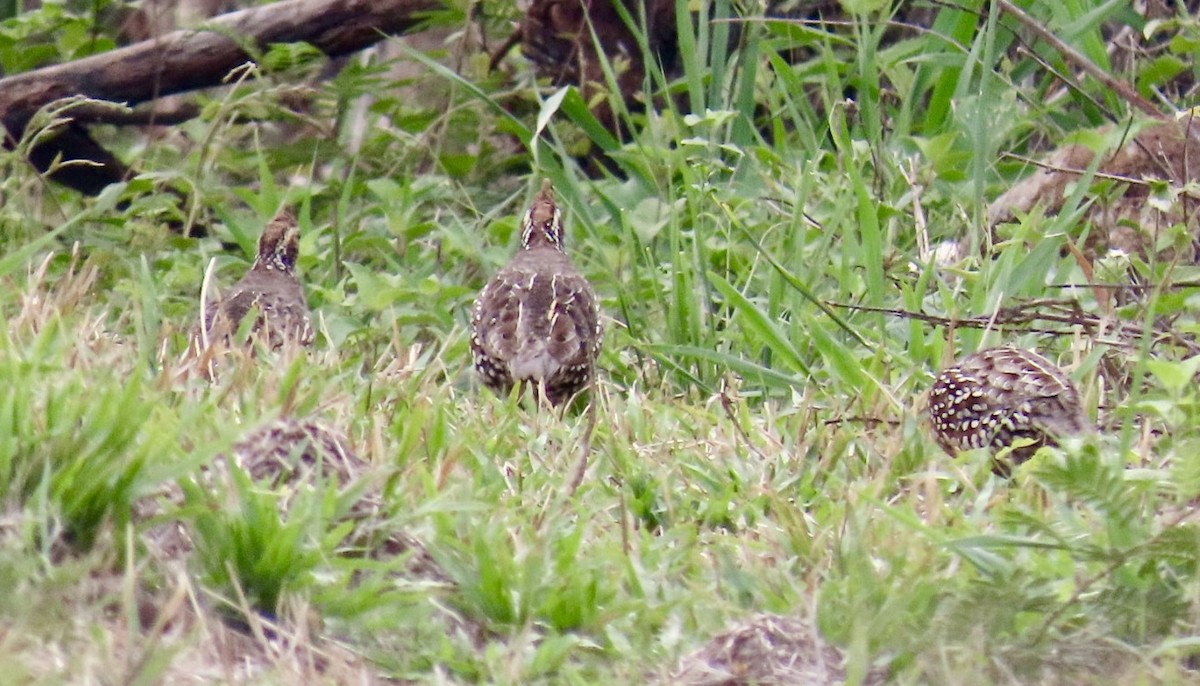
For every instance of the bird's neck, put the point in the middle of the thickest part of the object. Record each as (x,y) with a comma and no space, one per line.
(273,264)
(542,243)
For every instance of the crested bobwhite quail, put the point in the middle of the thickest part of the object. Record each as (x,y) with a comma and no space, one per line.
(269,288)
(997,395)
(537,321)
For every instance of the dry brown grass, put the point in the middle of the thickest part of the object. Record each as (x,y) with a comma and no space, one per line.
(767,650)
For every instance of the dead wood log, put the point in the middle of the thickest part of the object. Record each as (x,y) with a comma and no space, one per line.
(187,60)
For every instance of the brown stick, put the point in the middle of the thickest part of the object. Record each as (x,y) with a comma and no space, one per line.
(1079,60)
(187,60)
(202,57)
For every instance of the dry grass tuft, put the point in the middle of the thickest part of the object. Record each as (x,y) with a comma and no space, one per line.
(768,649)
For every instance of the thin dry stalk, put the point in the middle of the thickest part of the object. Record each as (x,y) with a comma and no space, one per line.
(1078,59)
(1069,313)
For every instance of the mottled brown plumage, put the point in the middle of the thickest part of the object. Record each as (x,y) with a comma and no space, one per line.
(537,321)
(269,289)
(995,396)
(586,43)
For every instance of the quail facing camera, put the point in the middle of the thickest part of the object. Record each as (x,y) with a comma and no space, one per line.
(537,320)
(269,288)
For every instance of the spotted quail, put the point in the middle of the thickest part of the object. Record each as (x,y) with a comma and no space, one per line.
(269,288)
(537,321)
(995,396)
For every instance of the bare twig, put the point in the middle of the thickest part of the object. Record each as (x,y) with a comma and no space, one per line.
(1024,316)
(1070,85)
(727,403)
(1073,170)
(866,421)
(1079,59)
(585,448)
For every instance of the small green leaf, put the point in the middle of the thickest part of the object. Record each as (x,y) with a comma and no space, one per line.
(1174,376)
(288,56)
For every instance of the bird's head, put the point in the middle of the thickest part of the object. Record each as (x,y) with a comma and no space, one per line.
(542,223)
(280,243)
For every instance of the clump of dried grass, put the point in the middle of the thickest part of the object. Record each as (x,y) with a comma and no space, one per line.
(764,650)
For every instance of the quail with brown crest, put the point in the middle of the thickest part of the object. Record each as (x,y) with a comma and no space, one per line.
(537,321)
(269,289)
(994,397)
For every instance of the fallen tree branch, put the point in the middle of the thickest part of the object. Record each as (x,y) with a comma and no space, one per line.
(191,59)
(202,57)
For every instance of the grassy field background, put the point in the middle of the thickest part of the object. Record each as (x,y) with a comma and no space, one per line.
(755,446)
